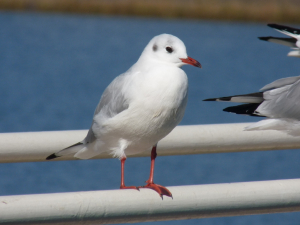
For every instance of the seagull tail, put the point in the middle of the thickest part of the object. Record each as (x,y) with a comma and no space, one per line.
(69,150)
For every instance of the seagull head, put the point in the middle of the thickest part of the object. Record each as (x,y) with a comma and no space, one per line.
(166,48)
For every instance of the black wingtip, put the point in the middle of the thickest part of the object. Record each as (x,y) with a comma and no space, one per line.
(264,38)
(225,99)
(276,26)
(229,109)
(210,99)
(291,30)
(52,156)
(272,24)
(244,109)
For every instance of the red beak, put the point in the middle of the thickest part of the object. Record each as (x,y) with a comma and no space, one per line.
(191,61)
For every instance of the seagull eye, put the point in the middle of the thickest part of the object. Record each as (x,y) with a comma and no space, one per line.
(169,49)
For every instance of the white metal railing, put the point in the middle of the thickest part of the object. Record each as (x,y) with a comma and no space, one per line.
(129,206)
(196,139)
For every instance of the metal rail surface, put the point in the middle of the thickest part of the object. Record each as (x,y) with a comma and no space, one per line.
(183,140)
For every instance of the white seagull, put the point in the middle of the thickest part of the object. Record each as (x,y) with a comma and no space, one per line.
(293,41)
(279,101)
(139,107)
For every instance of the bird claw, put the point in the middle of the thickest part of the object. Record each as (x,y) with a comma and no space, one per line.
(129,187)
(161,190)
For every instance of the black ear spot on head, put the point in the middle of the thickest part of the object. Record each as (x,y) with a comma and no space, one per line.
(154,47)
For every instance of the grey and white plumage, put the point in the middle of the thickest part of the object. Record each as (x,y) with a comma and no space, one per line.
(279,101)
(140,106)
(293,41)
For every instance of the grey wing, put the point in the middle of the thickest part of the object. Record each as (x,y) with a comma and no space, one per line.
(283,102)
(113,100)
(280,83)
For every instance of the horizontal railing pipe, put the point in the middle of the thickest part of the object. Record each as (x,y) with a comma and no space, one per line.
(129,206)
(195,139)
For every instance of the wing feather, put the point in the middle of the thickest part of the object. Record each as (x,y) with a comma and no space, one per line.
(283,102)
(113,100)
(290,42)
(280,83)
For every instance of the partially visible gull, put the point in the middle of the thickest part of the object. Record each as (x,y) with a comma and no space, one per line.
(279,101)
(293,41)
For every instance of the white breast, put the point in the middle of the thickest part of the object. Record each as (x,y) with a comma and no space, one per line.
(157,103)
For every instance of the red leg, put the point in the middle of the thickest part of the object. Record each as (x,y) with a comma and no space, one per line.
(161,190)
(122,177)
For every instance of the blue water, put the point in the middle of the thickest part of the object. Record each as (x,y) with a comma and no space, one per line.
(53,69)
